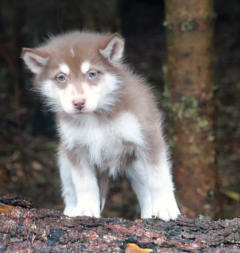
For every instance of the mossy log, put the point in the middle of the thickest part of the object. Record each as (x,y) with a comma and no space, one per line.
(24,228)
(189,90)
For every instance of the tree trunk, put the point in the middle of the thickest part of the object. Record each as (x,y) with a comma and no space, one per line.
(190,85)
(27,229)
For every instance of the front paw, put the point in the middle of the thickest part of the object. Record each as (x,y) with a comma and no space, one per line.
(166,208)
(81,211)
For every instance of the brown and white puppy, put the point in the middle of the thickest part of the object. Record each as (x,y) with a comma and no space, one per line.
(108,122)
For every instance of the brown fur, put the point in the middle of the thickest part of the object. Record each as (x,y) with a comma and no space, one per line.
(134,96)
(115,91)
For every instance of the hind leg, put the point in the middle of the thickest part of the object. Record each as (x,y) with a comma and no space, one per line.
(138,176)
(162,190)
(103,181)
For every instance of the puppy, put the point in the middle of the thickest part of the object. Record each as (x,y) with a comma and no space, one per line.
(108,123)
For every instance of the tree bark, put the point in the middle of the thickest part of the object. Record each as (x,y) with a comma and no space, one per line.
(27,229)
(190,85)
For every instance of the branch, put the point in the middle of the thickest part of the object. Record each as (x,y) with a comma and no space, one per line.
(24,228)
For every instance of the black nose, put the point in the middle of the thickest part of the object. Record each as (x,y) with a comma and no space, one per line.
(79,104)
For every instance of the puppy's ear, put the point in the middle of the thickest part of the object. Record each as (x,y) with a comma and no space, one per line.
(114,49)
(35,59)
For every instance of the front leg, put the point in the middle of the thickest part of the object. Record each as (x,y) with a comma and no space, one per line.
(68,188)
(87,190)
(80,188)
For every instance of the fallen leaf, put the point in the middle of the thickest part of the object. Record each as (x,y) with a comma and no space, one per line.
(4,208)
(232,195)
(134,248)
(37,166)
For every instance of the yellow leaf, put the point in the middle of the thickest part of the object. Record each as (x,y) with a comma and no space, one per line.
(134,248)
(4,208)
(233,195)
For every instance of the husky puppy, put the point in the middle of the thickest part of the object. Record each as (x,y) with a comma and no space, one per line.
(108,122)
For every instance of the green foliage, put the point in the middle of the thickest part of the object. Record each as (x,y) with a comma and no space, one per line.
(232,195)
(183,107)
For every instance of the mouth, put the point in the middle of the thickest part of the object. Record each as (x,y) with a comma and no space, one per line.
(78,112)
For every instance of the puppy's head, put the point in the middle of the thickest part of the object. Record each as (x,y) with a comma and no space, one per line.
(77,72)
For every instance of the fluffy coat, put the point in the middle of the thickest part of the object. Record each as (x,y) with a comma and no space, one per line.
(108,123)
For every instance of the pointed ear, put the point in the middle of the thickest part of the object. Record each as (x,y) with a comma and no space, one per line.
(35,59)
(114,48)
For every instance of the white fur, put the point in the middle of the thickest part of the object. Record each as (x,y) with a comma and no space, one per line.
(114,50)
(154,188)
(67,96)
(72,52)
(104,141)
(101,96)
(110,85)
(68,190)
(48,89)
(138,174)
(164,204)
(64,68)
(87,191)
(85,67)
(128,128)
(101,144)
(80,189)
(35,62)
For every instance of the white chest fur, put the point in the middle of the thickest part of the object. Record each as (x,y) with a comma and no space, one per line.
(102,142)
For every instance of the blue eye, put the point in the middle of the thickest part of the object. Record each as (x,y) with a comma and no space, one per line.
(61,78)
(92,74)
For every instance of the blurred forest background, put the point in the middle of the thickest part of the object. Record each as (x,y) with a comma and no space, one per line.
(27,130)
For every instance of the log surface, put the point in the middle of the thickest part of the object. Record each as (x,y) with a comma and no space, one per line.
(24,228)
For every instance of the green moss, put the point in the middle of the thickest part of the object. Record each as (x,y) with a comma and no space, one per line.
(165,23)
(188,25)
(211,137)
(186,107)
(211,195)
(203,123)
